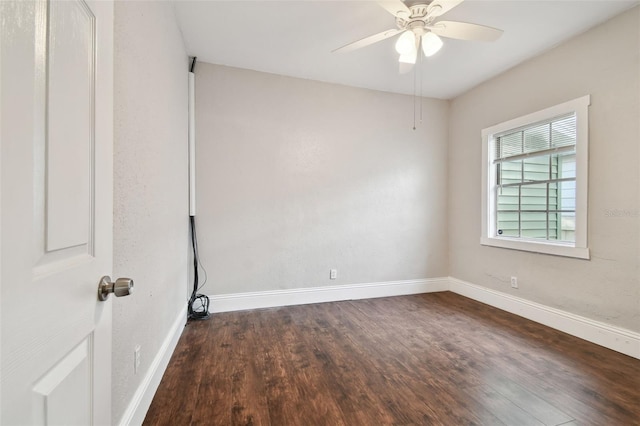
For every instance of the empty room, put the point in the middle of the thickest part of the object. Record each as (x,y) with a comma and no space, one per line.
(320,212)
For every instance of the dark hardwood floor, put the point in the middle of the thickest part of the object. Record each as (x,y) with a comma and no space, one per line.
(432,359)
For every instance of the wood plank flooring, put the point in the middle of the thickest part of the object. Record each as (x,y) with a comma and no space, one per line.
(432,359)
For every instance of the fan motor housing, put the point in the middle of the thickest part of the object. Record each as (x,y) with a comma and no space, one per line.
(419,18)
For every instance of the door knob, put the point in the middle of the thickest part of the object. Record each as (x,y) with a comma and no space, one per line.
(121,287)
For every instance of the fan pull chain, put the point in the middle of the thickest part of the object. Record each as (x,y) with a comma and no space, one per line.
(414,97)
(421,91)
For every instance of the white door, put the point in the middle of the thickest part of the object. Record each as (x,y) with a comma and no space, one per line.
(55,211)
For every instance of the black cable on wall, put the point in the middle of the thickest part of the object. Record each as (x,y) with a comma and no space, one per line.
(200,312)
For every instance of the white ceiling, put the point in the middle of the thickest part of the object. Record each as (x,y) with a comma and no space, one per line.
(295,38)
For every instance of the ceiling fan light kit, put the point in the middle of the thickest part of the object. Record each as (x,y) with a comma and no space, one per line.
(417,24)
(406,43)
(408,58)
(431,44)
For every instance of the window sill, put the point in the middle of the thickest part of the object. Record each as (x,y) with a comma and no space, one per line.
(537,247)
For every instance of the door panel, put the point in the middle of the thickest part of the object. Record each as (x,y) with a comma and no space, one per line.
(62,396)
(56,132)
(69,128)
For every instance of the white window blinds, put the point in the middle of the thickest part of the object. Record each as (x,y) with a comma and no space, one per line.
(555,135)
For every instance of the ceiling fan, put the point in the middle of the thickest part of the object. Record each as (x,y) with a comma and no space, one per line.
(418,24)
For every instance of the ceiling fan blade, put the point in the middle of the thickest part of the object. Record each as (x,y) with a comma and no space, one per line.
(440,7)
(465,31)
(368,40)
(396,8)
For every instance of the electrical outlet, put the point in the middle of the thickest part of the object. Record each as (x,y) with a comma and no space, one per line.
(333,274)
(514,282)
(136,359)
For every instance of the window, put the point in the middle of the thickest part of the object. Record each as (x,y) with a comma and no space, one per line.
(534,187)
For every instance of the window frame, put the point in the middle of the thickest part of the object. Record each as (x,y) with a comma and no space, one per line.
(579,249)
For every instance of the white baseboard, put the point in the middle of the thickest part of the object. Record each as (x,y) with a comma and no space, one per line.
(303,296)
(141,401)
(609,336)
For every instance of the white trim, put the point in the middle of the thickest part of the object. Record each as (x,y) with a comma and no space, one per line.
(580,250)
(609,336)
(141,401)
(546,247)
(192,144)
(302,296)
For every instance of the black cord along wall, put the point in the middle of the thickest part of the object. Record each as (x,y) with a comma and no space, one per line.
(198,303)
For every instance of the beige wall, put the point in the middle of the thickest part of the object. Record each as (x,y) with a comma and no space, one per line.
(296,177)
(150,187)
(603,62)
